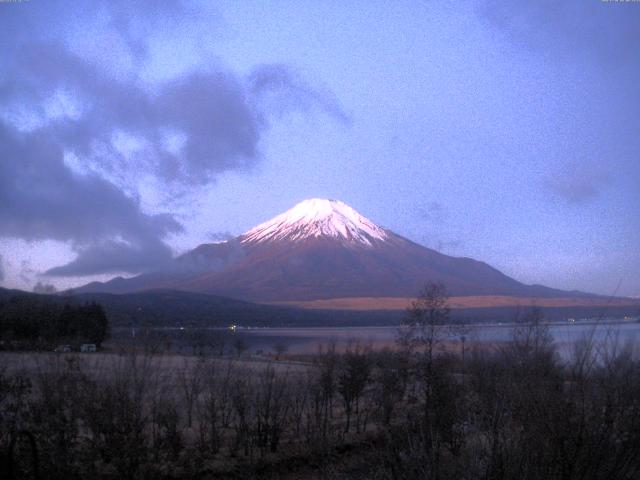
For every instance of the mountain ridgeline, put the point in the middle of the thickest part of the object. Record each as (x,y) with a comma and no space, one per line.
(323,249)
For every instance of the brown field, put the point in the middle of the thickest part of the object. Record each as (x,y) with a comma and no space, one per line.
(484,301)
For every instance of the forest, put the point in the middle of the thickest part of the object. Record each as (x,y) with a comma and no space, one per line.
(30,322)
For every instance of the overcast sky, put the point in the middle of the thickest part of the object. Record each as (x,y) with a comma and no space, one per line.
(132,131)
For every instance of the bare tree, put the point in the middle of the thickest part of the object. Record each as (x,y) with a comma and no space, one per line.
(215,409)
(355,373)
(532,344)
(390,380)
(272,404)
(425,325)
(190,381)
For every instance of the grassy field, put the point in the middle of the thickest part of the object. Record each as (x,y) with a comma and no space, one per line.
(485,301)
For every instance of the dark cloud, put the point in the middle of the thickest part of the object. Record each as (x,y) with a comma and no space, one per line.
(113,256)
(41,198)
(279,89)
(209,110)
(1,269)
(44,288)
(186,131)
(218,116)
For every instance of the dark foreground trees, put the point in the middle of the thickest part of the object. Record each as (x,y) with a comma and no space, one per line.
(511,411)
(29,322)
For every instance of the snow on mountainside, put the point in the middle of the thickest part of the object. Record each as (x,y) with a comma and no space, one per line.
(315,218)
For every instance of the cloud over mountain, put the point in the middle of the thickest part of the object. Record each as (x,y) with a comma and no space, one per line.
(78,136)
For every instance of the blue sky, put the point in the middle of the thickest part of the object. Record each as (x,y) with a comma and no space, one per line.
(507,132)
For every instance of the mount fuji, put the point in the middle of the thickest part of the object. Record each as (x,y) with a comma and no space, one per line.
(321,250)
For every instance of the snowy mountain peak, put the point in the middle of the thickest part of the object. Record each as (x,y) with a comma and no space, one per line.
(315,218)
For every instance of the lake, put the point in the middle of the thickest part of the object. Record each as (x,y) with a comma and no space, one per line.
(308,339)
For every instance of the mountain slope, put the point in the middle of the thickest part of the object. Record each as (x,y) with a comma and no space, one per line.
(322,249)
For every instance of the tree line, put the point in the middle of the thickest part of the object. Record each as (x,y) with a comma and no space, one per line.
(35,322)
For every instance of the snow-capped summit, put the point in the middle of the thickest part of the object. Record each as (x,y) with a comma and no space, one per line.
(315,218)
(324,249)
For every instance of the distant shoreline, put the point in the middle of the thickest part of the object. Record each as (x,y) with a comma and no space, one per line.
(241,328)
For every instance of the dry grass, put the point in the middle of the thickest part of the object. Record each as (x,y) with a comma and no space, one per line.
(479,301)
(165,366)
(363,414)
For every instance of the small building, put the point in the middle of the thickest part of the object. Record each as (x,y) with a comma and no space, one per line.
(88,347)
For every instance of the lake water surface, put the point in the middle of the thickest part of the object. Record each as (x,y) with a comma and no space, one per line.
(309,339)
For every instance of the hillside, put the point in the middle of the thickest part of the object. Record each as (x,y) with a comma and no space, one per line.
(166,308)
(322,250)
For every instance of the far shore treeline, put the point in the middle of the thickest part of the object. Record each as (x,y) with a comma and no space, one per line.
(37,322)
(171,308)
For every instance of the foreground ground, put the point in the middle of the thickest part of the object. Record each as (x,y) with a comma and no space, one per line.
(509,411)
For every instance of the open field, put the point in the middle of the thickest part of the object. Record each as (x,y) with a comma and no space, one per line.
(485,301)
(424,411)
(168,366)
